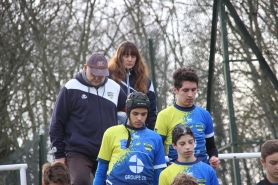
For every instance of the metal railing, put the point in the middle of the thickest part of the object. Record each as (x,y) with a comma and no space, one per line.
(239,155)
(21,167)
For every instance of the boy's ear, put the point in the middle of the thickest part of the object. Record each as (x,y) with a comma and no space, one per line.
(175,90)
(174,146)
(262,162)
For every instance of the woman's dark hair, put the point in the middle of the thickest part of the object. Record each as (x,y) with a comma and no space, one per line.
(118,71)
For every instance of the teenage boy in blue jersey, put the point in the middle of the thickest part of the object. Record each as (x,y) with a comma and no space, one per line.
(131,153)
(183,141)
(86,106)
(269,160)
(184,111)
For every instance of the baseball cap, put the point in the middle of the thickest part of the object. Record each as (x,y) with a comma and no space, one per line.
(98,65)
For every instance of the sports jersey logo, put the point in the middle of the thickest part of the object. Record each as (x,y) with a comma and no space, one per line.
(148,146)
(135,164)
(84,96)
(201,181)
(110,95)
(200,127)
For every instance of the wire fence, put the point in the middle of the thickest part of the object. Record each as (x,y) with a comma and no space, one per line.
(32,154)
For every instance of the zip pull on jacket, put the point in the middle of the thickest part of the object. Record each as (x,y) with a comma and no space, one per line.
(127,81)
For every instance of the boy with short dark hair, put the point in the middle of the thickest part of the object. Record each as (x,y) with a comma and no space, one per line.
(269,160)
(183,141)
(55,174)
(184,111)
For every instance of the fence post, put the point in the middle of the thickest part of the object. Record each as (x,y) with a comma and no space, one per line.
(42,157)
(228,85)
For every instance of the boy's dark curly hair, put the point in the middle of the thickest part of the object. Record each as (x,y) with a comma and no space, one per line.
(184,74)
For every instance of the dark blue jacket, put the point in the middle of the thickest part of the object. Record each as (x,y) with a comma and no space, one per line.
(264,182)
(128,82)
(82,114)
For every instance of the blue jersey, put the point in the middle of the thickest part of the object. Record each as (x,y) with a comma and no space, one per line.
(197,118)
(203,172)
(133,165)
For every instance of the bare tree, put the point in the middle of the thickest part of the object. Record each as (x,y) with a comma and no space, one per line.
(43,44)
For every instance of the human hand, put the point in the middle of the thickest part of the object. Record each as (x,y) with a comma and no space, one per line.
(61,160)
(214,162)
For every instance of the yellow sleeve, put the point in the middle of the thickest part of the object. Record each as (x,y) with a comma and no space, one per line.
(161,125)
(106,148)
(163,178)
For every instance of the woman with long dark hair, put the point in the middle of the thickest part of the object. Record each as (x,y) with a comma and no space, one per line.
(128,69)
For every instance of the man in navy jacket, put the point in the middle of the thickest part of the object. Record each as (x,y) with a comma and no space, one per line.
(85,107)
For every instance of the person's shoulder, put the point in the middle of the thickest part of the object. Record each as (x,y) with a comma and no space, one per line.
(261,183)
(153,133)
(205,165)
(201,109)
(264,182)
(166,110)
(112,85)
(169,168)
(72,84)
(75,82)
(110,81)
(115,129)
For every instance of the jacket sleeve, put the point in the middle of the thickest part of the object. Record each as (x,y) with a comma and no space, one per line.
(57,124)
(150,123)
(121,100)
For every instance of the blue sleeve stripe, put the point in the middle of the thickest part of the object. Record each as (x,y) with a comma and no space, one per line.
(160,166)
(209,135)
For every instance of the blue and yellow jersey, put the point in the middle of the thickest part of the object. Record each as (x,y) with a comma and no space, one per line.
(197,118)
(203,172)
(136,164)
